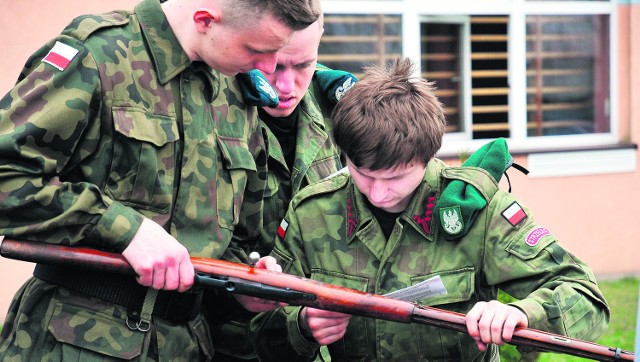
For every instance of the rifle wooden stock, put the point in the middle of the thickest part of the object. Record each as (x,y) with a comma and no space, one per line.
(327,296)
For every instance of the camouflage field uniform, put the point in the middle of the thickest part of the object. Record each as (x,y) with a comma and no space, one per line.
(130,128)
(316,157)
(557,291)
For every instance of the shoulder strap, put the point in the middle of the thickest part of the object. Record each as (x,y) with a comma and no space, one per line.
(472,186)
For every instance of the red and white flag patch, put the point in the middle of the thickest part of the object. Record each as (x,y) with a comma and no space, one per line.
(514,214)
(60,55)
(282,229)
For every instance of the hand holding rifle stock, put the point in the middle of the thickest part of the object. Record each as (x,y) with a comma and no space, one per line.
(293,290)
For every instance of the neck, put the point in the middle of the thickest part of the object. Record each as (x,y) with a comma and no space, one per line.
(179,15)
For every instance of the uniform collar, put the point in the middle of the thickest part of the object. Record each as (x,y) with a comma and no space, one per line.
(311,115)
(310,125)
(419,213)
(358,214)
(166,52)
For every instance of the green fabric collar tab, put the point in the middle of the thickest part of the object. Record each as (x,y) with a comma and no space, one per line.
(333,83)
(460,201)
(256,90)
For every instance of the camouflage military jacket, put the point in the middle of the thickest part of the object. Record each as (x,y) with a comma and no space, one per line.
(129,128)
(109,123)
(316,157)
(330,235)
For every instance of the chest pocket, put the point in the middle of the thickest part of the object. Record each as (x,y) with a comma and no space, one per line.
(233,174)
(459,284)
(143,167)
(353,346)
(323,168)
(437,344)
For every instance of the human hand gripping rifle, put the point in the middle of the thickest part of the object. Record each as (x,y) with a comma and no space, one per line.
(265,284)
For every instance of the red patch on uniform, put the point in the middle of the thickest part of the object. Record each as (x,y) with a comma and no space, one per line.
(425,221)
(351,218)
(534,236)
(282,229)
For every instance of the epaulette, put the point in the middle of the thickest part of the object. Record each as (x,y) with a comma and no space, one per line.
(256,89)
(83,26)
(326,185)
(333,83)
(472,186)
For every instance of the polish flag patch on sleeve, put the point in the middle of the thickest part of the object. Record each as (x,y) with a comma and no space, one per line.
(282,229)
(514,214)
(60,55)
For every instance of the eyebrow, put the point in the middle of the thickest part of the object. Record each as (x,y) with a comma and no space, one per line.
(264,51)
(306,61)
(309,60)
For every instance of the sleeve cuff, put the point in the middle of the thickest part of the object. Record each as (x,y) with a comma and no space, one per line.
(116,227)
(536,314)
(301,345)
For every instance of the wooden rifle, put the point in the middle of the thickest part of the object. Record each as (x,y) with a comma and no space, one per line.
(266,284)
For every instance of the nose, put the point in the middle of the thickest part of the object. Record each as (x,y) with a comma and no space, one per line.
(267,62)
(284,81)
(377,191)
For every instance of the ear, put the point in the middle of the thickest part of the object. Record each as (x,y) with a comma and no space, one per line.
(204,17)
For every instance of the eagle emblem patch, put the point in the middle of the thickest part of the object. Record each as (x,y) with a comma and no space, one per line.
(451,220)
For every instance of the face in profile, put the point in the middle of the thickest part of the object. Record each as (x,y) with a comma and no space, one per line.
(389,189)
(294,70)
(238,49)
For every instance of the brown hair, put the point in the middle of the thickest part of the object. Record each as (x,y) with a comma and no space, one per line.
(389,118)
(296,14)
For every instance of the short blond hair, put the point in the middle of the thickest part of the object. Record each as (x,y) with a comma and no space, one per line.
(296,14)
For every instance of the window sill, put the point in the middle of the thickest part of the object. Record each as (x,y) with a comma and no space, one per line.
(620,158)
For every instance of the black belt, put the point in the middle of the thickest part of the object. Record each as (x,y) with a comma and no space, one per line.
(122,290)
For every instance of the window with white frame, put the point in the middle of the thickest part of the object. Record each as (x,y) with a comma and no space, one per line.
(535,72)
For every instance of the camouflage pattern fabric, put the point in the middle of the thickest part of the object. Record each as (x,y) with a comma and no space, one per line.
(316,157)
(129,128)
(48,323)
(333,237)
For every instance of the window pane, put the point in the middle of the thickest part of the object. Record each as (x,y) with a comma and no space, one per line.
(442,63)
(442,43)
(567,74)
(489,76)
(353,41)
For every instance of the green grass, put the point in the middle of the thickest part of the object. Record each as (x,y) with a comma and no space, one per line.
(622,296)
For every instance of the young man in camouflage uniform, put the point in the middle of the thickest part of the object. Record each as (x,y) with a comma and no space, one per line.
(128,132)
(300,151)
(403,217)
